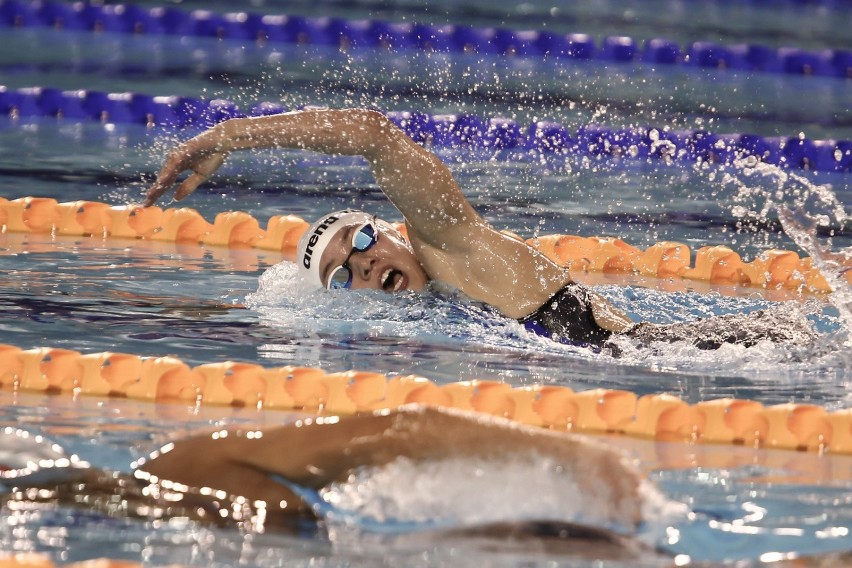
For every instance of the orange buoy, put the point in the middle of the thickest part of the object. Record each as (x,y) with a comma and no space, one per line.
(793,426)
(11,366)
(233,229)
(613,255)
(134,222)
(663,260)
(729,420)
(717,265)
(83,218)
(282,233)
(182,225)
(772,268)
(604,410)
(408,389)
(556,407)
(32,215)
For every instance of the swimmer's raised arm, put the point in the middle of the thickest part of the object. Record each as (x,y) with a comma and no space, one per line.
(414,179)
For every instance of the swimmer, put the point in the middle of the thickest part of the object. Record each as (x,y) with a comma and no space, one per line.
(447,241)
(318,451)
(257,477)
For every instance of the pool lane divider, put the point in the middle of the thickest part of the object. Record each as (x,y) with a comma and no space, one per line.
(803,427)
(459,131)
(718,264)
(350,35)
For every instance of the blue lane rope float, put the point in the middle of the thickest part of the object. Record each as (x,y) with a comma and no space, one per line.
(352,34)
(464,131)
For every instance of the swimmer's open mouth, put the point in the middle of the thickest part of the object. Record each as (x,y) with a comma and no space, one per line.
(392,280)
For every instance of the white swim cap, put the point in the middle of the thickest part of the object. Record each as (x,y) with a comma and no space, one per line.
(315,240)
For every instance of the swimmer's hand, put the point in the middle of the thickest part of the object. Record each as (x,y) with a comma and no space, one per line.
(202,156)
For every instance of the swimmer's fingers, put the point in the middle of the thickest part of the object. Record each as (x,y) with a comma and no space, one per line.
(201,171)
(202,154)
(177,163)
(154,193)
(189,185)
(166,178)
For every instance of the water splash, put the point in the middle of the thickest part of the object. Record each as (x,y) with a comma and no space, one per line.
(472,491)
(26,457)
(834,265)
(440,322)
(283,299)
(804,209)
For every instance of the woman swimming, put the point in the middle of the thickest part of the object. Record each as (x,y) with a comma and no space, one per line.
(447,241)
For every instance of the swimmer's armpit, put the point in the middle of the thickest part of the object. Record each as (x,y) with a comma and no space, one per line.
(316,452)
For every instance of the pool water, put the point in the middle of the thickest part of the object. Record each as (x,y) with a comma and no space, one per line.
(207,304)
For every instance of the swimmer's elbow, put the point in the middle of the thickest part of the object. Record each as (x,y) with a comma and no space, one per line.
(364,132)
(377,127)
(369,117)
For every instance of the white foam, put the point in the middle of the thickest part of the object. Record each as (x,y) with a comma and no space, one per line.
(283,300)
(474,491)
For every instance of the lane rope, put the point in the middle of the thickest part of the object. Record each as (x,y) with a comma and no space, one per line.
(398,36)
(718,264)
(463,131)
(804,427)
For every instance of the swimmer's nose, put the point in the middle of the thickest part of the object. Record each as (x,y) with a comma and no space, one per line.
(362,266)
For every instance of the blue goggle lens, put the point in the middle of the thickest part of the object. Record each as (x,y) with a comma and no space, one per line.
(364,238)
(341,277)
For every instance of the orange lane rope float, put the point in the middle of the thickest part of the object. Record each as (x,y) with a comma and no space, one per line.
(718,264)
(43,560)
(653,416)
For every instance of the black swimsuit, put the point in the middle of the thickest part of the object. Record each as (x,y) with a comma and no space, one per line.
(567,318)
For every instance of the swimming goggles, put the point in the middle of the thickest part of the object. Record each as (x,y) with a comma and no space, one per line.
(363,240)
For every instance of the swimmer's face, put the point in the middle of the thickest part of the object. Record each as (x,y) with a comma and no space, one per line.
(388,265)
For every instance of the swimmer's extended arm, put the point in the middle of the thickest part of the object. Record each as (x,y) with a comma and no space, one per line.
(414,179)
(324,450)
